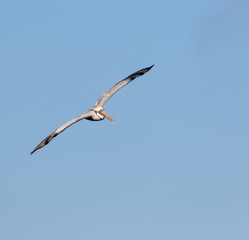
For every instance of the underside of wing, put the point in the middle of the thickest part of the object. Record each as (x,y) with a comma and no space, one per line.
(105,97)
(60,130)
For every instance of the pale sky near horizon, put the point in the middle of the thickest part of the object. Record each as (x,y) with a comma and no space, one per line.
(174,165)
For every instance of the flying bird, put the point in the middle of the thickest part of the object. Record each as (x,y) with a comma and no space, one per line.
(96,113)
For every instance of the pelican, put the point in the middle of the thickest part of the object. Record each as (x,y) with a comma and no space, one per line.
(97,112)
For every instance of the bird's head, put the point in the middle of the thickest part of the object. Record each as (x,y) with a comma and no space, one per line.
(102,113)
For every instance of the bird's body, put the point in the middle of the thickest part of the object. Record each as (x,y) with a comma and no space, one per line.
(96,113)
(94,116)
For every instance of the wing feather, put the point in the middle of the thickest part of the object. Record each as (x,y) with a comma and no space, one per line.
(106,96)
(60,130)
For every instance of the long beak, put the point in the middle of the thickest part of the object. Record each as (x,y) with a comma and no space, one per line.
(104,113)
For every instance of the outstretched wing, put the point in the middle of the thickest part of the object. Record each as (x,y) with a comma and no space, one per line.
(61,129)
(105,97)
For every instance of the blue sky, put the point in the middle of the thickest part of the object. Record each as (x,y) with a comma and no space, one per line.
(175,163)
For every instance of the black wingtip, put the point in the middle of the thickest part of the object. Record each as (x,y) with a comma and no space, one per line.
(34,151)
(148,68)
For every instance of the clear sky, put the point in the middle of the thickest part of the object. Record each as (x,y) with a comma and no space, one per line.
(175,163)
